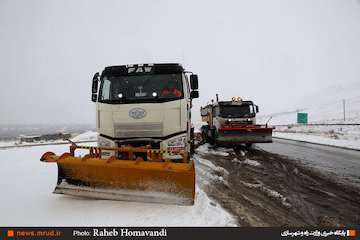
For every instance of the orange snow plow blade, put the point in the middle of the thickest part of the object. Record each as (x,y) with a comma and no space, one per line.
(153,180)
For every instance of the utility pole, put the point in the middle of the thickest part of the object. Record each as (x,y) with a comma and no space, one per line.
(344,109)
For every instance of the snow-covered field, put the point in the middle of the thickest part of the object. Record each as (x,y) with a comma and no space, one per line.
(330,108)
(319,140)
(324,107)
(26,186)
(84,137)
(333,135)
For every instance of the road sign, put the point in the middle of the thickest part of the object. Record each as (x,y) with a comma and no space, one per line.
(302,118)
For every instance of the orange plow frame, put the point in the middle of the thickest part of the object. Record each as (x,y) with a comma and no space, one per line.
(154,180)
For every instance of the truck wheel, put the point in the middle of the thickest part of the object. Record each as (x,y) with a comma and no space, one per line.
(204,133)
(212,138)
(192,142)
(192,147)
(248,145)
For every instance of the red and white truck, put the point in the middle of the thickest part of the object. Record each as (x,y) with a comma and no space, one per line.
(233,123)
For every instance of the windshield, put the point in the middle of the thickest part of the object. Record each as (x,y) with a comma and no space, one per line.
(141,88)
(237,111)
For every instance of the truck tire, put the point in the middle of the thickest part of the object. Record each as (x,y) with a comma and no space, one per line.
(212,137)
(204,133)
(192,141)
(248,145)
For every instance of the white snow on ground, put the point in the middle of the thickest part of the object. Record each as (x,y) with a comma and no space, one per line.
(324,108)
(205,149)
(207,173)
(7,143)
(86,136)
(351,144)
(346,136)
(4,144)
(26,186)
(83,137)
(211,165)
(271,193)
(340,105)
(247,161)
(235,160)
(336,132)
(252,162)
(242,153)
(210,171)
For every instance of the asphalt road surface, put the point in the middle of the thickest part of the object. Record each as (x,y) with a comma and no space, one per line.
(283,183)
(343,163)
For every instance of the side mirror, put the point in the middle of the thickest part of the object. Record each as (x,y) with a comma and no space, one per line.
(94,88)
(194,81)
(194,94)
(256,108)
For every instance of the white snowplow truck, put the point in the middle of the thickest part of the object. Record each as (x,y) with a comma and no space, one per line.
(143,117)
(233,123)
(143,111)
(145,104)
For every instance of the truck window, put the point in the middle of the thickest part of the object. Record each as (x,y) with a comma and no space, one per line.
(237,111)
(141,88)
(105,90)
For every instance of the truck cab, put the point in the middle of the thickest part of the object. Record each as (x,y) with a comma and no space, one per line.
(233,123)
(235,111)
(145,105)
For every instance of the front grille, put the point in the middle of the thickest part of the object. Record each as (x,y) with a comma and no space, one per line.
(138,130)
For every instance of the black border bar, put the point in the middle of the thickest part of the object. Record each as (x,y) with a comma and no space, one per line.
(183,233)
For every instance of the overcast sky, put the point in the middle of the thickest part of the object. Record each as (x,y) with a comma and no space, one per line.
(273,52)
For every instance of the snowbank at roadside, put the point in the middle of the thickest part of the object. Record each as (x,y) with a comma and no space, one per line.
(336,132)
(27,199)
(86,136)
(345,136)
(7,143)
(311,138)
(206,149)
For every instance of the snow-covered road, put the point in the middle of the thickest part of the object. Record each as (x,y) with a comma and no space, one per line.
(26,186)
(266,189)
